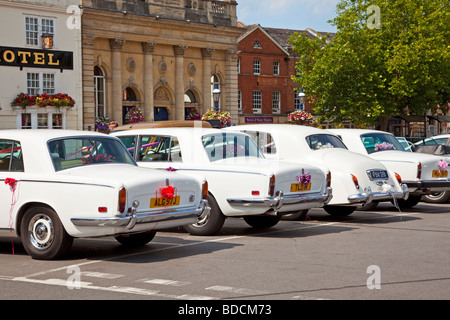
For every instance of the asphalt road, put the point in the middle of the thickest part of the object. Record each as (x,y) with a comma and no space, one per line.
(382,254)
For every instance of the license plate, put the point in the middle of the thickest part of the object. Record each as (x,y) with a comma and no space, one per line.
(164,202)
(378,174)
(296,187)
(440,173)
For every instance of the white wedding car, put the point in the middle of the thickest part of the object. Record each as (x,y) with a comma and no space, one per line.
(357,180)
(241,182)
(423,173)
(57,185)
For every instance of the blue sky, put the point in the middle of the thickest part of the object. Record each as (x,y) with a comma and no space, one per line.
(288,14)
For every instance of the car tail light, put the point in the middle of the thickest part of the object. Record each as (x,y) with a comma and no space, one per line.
(398,177)
(328,179)
(122,199)
(419,170)
(272,186)
(205,190)
(355,181)
(102,209)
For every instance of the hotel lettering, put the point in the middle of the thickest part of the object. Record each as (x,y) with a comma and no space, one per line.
(35,58)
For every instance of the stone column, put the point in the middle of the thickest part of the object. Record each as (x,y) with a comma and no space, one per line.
(115,110)
(88,83)
(148,48)
(206,55)
(179,81)
(231,92)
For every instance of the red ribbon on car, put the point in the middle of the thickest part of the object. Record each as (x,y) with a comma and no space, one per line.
(12,184)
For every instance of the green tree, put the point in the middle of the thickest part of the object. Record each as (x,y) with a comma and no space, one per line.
(388,57)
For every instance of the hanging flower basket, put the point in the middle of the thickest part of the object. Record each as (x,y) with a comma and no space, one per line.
(301,118)
(134,115)
(102,124)
(223,117)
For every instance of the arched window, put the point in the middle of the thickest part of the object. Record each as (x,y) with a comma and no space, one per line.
(189,97)
(129,94)
(99,92)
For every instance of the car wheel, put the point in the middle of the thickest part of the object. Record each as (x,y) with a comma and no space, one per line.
(43,235)
(408,203)
(339,211)
(137,239)
(262,222)
(437,197)
(296,216)
(209,224)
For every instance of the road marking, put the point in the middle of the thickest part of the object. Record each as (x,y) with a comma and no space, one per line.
(101,275)
(244,291)
(165,282)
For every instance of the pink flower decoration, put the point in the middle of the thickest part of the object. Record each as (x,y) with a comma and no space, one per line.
(443,164)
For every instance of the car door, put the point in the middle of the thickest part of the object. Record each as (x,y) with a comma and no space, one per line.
(11,166)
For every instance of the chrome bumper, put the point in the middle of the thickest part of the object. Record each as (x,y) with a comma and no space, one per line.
(130,221)
(368,196)
(281,200)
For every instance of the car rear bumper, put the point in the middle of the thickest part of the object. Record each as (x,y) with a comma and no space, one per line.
(169,217)
(284,203)
(368,196)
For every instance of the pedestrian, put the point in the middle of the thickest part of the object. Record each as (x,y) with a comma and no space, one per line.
(113,124)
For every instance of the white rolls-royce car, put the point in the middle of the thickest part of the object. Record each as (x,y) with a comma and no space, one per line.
(57,185)
(241,182)
(423,173)
(357,180)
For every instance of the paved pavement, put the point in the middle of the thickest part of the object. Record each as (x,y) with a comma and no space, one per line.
(382,254)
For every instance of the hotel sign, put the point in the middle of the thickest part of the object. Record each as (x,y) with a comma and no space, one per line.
(35,58)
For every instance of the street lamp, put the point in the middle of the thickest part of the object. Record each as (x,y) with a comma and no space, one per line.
(301,97)
(216,97)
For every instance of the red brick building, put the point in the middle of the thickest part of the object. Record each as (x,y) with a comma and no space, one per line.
(267,92)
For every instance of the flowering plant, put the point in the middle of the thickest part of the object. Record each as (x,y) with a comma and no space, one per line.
(442,164)
(301,117)
(102,124)
(223,117)
(383,146)
(43,100)
(23,100)
(134,115)
(192,114)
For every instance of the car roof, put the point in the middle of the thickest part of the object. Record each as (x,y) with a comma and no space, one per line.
(280,128)
(163,124)
(45,134)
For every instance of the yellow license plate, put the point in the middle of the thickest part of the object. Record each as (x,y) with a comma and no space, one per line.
(440,173)
(296,187)
(164,202)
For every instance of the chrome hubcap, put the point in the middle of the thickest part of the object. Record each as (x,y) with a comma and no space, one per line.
(41,232)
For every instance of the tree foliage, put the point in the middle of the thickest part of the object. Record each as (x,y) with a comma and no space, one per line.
(370,72)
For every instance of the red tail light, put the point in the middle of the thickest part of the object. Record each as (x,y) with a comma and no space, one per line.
(355,181)
(398,177)
(272,186)
(122,199)
(419,170)
(328,179)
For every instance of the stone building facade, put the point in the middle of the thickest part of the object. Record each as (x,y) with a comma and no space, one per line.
(162,56)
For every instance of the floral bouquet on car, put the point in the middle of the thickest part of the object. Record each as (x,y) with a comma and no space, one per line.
(301,117)
(134,115)
(223,117)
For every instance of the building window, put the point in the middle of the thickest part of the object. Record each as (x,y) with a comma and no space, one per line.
(40,82)
(298,104)
(257,45)
(276,68)
(256,67)
(257,102)
(276,102)
(35,27)
(34,117)
(215,84)
(99,92)
(239,66)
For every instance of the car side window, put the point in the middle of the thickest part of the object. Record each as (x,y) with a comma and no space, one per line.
(11,157)
(156,148)
(130,143)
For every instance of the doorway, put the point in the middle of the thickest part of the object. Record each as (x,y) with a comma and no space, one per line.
(161,114)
